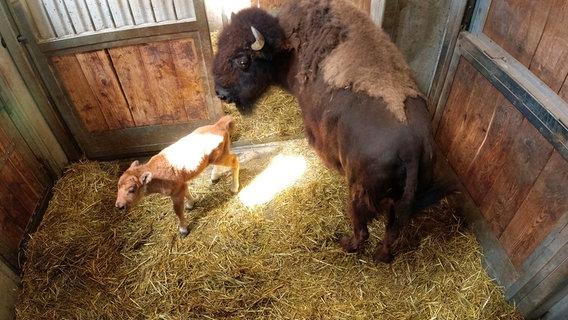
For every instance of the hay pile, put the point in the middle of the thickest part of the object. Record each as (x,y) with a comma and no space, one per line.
(278,260)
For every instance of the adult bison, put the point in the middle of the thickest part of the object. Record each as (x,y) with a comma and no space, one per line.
(362,110)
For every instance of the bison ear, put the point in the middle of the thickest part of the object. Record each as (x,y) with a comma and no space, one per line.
(134,163)
(146,177)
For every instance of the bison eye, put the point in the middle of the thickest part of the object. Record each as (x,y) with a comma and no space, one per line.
(242,62)
(132,190)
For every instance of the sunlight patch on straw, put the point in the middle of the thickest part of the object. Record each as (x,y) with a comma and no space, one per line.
(282,172)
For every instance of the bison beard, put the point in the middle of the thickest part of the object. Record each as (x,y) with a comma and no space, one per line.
(364,117)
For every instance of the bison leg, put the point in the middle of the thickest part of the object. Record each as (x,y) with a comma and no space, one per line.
(398,214)
(359,214)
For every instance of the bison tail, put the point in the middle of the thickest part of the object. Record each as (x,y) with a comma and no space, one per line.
(434,194)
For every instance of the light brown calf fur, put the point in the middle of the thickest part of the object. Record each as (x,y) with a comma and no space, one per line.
(169,171)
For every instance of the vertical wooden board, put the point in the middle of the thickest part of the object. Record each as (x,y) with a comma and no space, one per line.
(526,159)
(190,78)
(564,91)
(134,80)
(22,182)
(495,150)
(546,202)
(10,232)
(472,123)
(517,26)
(550,62)
(99,72)
(452,116)
(15,197)
(158,62)
(10,237)
(79,92)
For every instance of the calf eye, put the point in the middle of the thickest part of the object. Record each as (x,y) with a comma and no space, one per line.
(242,62)
(132,190)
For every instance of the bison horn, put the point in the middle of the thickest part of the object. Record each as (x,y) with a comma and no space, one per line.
(259,43)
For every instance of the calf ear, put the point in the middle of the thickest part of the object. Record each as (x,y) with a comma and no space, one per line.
(134,163)
(146,177)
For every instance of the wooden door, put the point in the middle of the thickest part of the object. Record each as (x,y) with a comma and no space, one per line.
(127,77)
(502,122)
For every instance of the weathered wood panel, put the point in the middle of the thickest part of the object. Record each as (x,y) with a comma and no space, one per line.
(104,84)
(132,86)
(517,26)
(550,62)
(546,202)
(525,160)
(21,191)
(79,92)
(500,157)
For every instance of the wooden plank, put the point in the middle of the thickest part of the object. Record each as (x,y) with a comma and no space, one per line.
(495,150)
(528,154)
(135,82)
(15,197)
(473,121)
(517,26)
(191,79)
(158,61)
(550,62)
(79,92)
(10,237)
(544,205)
(451,116)
(99,72)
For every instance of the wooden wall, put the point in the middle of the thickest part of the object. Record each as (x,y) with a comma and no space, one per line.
(107,93)
(535,33)
(511,171)
(503,125)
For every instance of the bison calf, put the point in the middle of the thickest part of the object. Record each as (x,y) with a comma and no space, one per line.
(169,171)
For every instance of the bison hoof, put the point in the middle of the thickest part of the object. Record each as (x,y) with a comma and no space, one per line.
(348,244)
(383,255)
(214,181)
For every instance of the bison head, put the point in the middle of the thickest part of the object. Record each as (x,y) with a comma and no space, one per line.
(247,57)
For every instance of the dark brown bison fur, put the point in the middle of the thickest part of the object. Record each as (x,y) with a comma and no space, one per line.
(361,108)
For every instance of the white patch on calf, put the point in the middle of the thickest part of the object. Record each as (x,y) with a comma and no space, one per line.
(188,152)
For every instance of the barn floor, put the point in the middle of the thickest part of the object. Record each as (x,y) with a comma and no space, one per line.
(277,258)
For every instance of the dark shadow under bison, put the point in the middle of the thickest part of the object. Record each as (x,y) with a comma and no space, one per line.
(362,110)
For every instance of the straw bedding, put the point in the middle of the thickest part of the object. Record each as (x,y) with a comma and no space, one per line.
(278,260)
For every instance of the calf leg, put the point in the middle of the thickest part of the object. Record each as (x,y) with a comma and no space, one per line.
(231,161)
(190,201)
(178,200)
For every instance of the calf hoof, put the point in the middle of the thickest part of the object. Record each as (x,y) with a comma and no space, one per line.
(383,255)
(348,244)
(214,181)
(182,233)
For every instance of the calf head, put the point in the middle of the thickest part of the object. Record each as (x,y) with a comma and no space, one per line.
(244,65)
(132,186)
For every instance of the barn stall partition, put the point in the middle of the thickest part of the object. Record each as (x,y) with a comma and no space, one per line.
(497,90)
